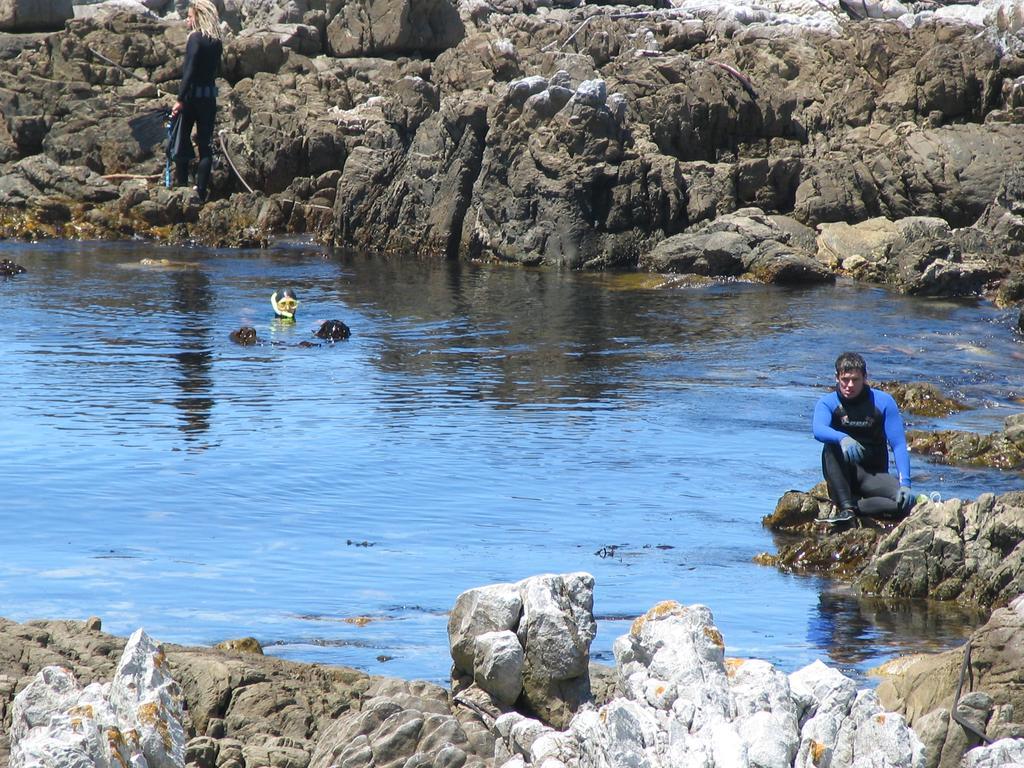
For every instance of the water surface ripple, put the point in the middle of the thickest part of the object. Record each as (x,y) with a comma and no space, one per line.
(482,425)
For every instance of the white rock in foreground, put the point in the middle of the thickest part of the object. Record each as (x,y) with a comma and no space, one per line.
(686,705)
(133,721)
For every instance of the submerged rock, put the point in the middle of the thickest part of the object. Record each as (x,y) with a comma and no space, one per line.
(333,330)
(245,336)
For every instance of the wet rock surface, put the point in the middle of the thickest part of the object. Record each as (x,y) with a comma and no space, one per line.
(966,551)
(921,398)
(1000,450)
(781,144)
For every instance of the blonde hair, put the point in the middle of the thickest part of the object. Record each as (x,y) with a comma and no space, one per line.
(207,19)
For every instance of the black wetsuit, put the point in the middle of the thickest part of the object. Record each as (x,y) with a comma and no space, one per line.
(198,96)
(873,419)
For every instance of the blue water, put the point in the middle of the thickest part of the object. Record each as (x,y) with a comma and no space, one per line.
(483,424)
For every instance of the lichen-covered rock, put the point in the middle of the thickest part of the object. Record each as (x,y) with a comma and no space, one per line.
(148,701)
(135,719)
(683,703)
(1000,753)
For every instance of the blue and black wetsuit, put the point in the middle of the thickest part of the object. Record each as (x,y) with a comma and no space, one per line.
(198,95)
(873,419)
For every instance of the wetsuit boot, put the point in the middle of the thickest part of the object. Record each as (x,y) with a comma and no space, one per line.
(840,475)
(203,177)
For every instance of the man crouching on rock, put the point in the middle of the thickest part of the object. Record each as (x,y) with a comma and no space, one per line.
(855,422)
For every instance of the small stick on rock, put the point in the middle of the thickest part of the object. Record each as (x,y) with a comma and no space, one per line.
(743,79)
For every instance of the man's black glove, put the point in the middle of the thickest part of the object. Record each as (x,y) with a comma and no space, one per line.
(904,498)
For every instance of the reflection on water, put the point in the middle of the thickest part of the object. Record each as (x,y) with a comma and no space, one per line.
(483,424)
(192,298)
(857,630)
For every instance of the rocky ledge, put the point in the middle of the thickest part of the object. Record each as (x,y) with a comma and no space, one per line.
(784,141)
(522,695)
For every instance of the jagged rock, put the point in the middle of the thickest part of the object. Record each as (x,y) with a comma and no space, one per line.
(1001,753)
(683,703)
(382,27)
(916,254)
(555,630)
(479,611)
(953,550)
(498,665)
(557,186)
(254,51)
(137,717)
(551,619)
(648,124)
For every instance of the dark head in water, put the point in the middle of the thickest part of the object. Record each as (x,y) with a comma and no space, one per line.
(246,336)
(333,330)
(284,303)
(9,269)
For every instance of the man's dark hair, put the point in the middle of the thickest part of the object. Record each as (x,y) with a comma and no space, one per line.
(851,361)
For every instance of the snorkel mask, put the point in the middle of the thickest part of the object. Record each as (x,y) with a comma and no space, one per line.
(284,303)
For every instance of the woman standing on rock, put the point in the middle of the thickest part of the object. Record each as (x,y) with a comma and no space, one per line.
(197,96)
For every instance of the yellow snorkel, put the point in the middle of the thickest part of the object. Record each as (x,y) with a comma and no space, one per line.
(284,303)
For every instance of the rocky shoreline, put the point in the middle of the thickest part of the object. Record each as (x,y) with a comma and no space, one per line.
(523,694)
(785,142)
